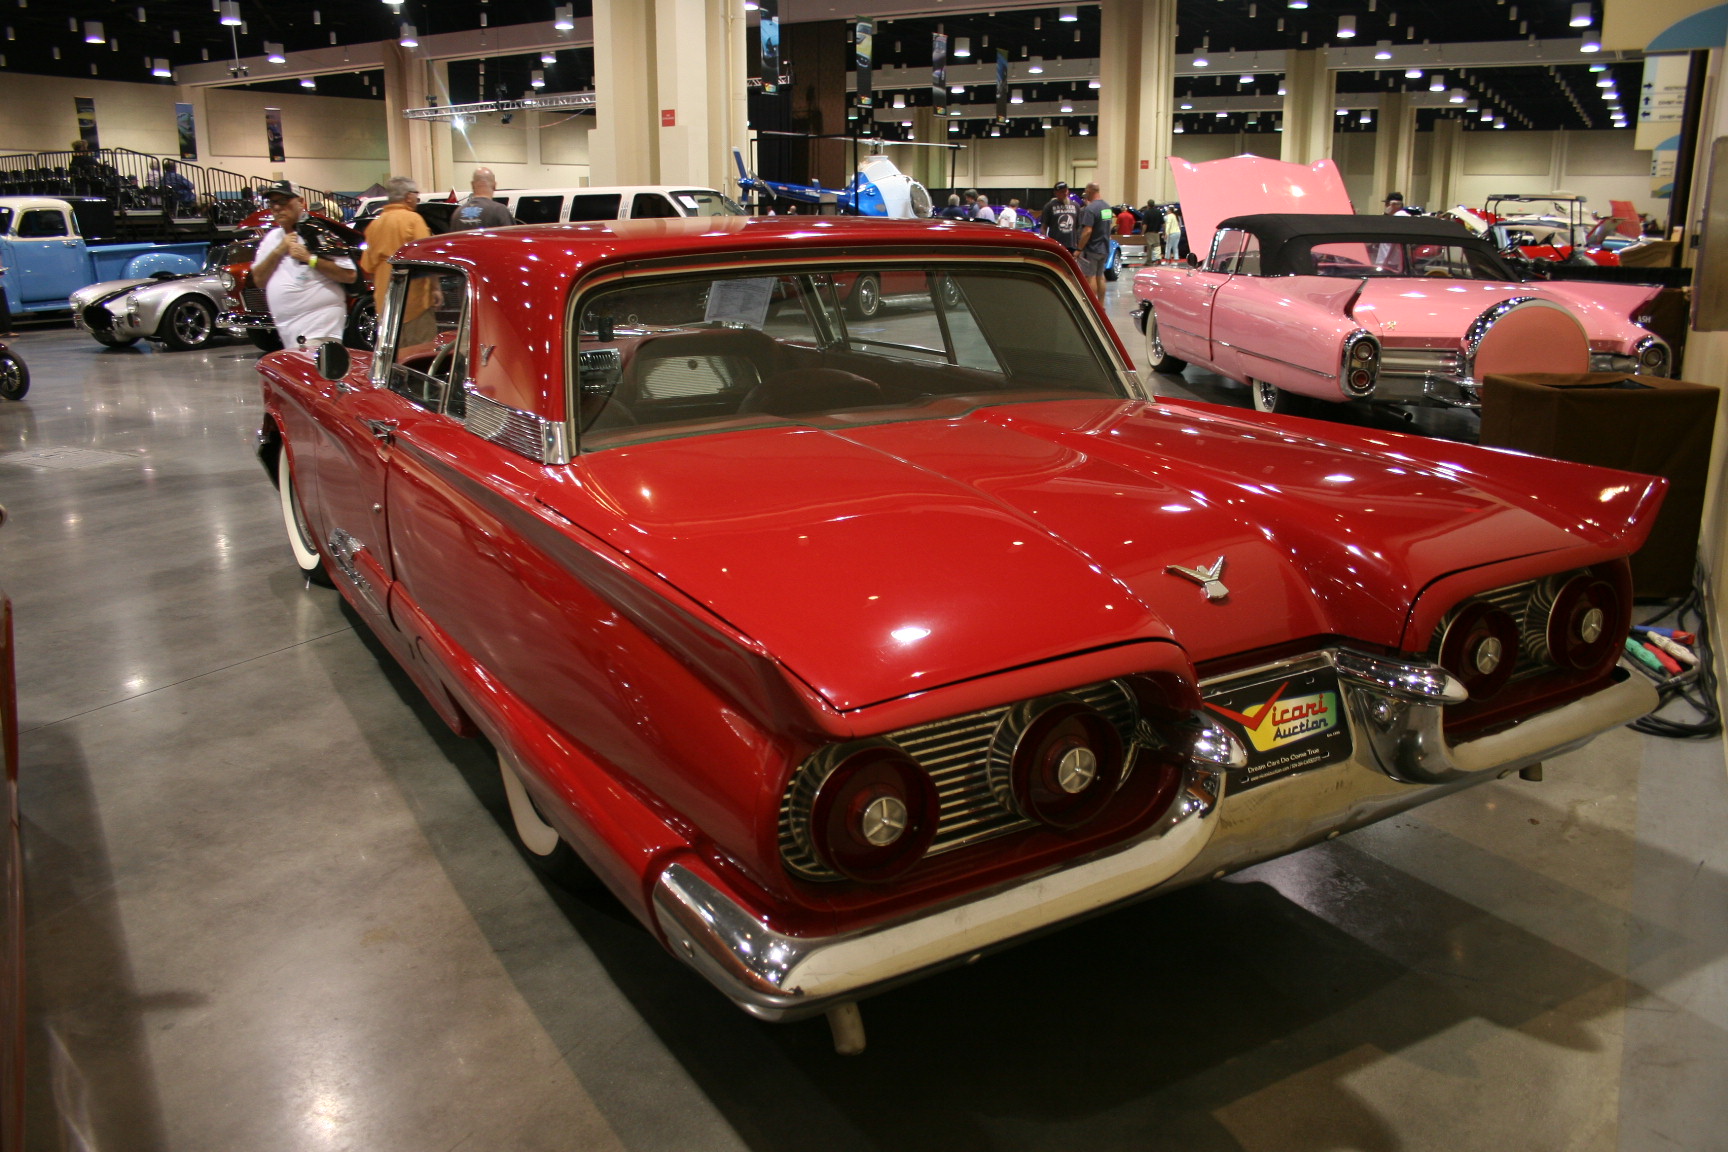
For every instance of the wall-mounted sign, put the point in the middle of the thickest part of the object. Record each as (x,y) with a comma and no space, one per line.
(273,134)
(1661,99)
(186,127)
(668,117)
(87,121)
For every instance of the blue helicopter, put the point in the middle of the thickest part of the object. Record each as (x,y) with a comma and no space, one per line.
(878,188)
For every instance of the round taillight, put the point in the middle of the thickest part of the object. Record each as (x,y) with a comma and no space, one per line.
(874,815)
(1586,624)
(1653,357)
(1065,762)
(1363,352)
(1480,647)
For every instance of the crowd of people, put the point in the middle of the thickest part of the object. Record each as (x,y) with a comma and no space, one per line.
(1082,223)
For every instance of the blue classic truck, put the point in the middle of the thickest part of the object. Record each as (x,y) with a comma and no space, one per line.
(47,258)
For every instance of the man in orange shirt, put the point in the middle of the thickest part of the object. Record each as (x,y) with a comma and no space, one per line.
(396,225)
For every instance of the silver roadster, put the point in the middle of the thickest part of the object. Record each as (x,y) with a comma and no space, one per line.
(179,311)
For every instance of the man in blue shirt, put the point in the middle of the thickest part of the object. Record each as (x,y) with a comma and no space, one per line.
(1093,249)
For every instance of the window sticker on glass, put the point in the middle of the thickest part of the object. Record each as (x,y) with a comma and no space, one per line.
(742,301)
(687,200)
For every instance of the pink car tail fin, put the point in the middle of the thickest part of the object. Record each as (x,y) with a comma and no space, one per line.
(1240,185)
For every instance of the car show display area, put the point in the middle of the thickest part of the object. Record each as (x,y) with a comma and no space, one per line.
(301,895)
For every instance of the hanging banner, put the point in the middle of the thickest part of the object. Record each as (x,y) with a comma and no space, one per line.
(86,121)
(187,128)
(273,134)
(1661,100)
(863,59)
(1001,86)
(939,74)
(768,30)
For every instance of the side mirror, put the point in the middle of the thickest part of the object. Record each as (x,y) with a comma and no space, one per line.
(333,360)
(1193,260)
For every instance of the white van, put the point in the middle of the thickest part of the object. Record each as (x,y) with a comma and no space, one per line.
(632,202)
(560,205)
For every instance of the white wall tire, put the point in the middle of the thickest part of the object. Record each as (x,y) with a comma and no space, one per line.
(300,541)
(1157,360)
(549,853)
(1273,400)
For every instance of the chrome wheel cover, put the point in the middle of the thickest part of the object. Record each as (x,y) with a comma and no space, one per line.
(191,321)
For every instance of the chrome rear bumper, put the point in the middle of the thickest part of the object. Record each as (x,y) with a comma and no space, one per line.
(1400,759)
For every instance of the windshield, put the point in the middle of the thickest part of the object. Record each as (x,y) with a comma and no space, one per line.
(683,354)
(1355,258)
(705,202)
(230,252)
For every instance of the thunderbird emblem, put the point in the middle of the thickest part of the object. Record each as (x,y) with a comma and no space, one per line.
(1207,578)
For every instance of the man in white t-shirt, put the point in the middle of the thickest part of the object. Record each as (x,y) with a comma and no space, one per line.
(303,287)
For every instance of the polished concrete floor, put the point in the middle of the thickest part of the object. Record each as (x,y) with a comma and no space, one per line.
(273,904)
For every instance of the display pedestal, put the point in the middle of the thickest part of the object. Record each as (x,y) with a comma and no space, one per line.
(1636,423)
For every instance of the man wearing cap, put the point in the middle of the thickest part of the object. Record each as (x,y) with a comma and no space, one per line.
(479,210)
(1060,219)
(303,287)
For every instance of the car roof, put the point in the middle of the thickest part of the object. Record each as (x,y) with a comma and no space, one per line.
(1284,236)
(569,248)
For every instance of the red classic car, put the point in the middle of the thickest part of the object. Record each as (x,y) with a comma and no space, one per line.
(843,656)
(1301,300)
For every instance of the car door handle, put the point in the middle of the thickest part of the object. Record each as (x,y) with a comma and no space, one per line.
(383,431)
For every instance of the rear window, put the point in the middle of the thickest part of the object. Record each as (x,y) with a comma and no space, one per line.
(1358,258)
(685,354)
(651,206)
(601,206)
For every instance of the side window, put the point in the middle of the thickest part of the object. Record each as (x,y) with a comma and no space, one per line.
(424,347)
(651,206)
(5,221)
(37,223)
(1226,247)
(603,206)
(539,209)
(1248,260)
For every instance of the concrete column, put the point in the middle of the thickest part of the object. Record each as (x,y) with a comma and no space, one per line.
(1309,96)
(1394,148)
(1057,162)
(1446,165)
(928,166)
(1136,100)
(410,140)
(448,171)
(669,78)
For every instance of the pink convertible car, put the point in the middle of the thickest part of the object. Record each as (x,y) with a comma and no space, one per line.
(1297,298)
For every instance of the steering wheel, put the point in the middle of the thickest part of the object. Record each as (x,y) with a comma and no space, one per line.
(441,361)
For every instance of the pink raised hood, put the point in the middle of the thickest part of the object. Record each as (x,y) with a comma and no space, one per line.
(1241,185)
(881,559)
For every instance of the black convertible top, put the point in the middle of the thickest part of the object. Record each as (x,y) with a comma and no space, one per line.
(1286,237)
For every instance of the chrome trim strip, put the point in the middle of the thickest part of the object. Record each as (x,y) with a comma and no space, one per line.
(1274,359)
(525,433)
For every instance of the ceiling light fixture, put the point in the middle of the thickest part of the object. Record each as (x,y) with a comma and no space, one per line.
(93,32)
(899,100)
(1067,105)
(1413,73)
(1035,66)
(408,39)
(536,79)
(548,58)
(273,53)
(308,82)
(1245,78)
(1016,97)
(1581,17)
(1068,13)
(957,89)
(229,10)
(1201,62)
(1383,50)
(962,47)
(1437,82)
(1298,3)
(1346,27)
(160,68)
(1591,44)
(562,19)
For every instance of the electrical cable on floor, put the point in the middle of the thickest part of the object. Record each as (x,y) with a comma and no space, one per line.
(1694,685)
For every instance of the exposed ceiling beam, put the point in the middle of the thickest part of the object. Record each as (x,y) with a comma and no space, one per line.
(473,44)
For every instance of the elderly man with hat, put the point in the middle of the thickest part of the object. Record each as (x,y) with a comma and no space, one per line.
(303,286)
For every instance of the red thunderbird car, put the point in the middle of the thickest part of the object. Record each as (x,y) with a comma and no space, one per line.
(842,657)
